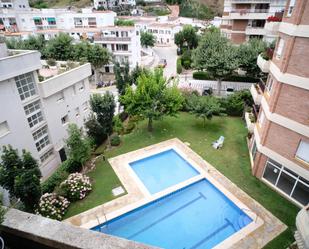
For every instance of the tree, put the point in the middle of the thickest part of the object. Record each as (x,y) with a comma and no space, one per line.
(78,146)
(205,107)
(122,77)
(98,57)
(248,53)
(104,108)
(147,39)
(95,130)
(81,51)
(60,48)
(215,55)
(186,38)
(152,98)
(135,73)
(10,166)
(27,186)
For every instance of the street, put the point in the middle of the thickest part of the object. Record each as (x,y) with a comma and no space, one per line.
(170,55)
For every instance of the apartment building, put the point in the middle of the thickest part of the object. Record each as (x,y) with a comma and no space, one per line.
(279,146)
(245,19)
(123,42)
(49,22)
(39,102)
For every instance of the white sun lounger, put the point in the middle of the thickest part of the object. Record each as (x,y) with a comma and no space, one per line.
(219,143)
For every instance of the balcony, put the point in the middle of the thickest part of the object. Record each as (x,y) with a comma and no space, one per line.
(272,29)
(112,38)
(256,91)
(255,30)
(248,1)
(263,64)
(250,121)
(259,14)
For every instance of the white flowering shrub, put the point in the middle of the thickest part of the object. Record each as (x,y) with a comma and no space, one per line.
(53,206)
(76,187)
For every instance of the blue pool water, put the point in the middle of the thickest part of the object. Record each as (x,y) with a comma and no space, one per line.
(163,170)
(197,216)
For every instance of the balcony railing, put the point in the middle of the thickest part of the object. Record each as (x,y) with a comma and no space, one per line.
(262,84)
(248,11)
(111,38)
(248,1)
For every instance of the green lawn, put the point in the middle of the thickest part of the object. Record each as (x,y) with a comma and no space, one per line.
(232,160)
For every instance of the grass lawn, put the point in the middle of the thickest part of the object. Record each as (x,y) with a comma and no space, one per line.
(232,160)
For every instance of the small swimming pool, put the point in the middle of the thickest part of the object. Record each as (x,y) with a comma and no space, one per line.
(196,216)
(163,170)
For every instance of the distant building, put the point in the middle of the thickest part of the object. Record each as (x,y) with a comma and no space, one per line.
(245,19)
(279,146)
(35,114)
(110,4)
(123,42)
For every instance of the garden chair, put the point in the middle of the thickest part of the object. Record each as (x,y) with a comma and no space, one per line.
(218,143)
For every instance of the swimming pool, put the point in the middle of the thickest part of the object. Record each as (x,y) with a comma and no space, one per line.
(196,216)
(163,170)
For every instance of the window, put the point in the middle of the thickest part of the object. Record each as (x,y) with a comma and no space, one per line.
(302,152)
(47,155)
(293,185)
(77,112)
(280,48)
(85,106)
(124,34)
(290,8)
(25,85)
(122,47)
(39,133)
(269,84)
(65,119)
(261,118)
(31,108)
(161,31)
(253,150)
(51,20)
(4,128)
(35,119)
(37,21)
(81,87)
(42,143)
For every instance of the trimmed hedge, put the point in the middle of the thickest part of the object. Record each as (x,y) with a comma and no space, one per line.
(115,140)
(179,66)
(202,75)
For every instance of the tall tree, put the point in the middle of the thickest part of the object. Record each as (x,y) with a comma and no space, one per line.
(78,146)
(95,130)
(152,98)
(186,38)
(27,184)
(205,107)
(10,165)
(98,57)
(216,55)
(122,76)
(104,108)
(81,51)
(248,53)
(60,48)
(147,39)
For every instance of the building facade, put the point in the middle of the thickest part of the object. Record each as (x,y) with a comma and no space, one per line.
(110,4)
(35,114)
(245,19)
(279,146)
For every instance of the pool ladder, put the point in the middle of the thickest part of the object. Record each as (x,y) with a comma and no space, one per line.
(104,218)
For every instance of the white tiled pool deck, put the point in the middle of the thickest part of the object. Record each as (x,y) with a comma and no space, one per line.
(258,233)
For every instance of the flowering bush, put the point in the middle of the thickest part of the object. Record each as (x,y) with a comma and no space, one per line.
(76,187)
(53,206)
(274,19)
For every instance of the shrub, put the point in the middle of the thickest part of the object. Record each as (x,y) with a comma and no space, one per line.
(115,140)
(129,127)
(121,22)
(53,206)
(55,179)
(240,78)
(201,75)
(234,104)
(179,66)
(123,116)
(76,187)
(186,59)
(117,124)
(51,62)
(186,64)
(72,166)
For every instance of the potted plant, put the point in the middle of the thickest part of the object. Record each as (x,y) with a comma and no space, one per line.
(52,64)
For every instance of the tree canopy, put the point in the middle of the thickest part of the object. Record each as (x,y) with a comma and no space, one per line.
(147,39)
(153,98)
(186,38)
(216,55)
(60,48)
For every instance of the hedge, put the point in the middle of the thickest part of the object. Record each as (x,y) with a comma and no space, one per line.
(202,75)
(179,66)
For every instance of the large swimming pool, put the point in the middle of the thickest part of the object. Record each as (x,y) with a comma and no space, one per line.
(163,170)
(196,216)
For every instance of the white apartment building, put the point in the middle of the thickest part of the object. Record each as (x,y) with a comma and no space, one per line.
(110,4)
(123,42)
(35,114)
(245,19)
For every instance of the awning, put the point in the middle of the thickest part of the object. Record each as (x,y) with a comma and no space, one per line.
(51,19)
(37,18)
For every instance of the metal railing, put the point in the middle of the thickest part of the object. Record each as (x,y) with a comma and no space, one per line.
(249,11)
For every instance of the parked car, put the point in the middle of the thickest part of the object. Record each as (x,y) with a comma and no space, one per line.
(207,91)
(162,63)
(229,90)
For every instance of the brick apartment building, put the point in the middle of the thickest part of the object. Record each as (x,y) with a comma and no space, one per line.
(280,143)
(245,19)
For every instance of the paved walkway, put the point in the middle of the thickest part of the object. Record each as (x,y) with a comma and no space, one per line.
(174,10)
